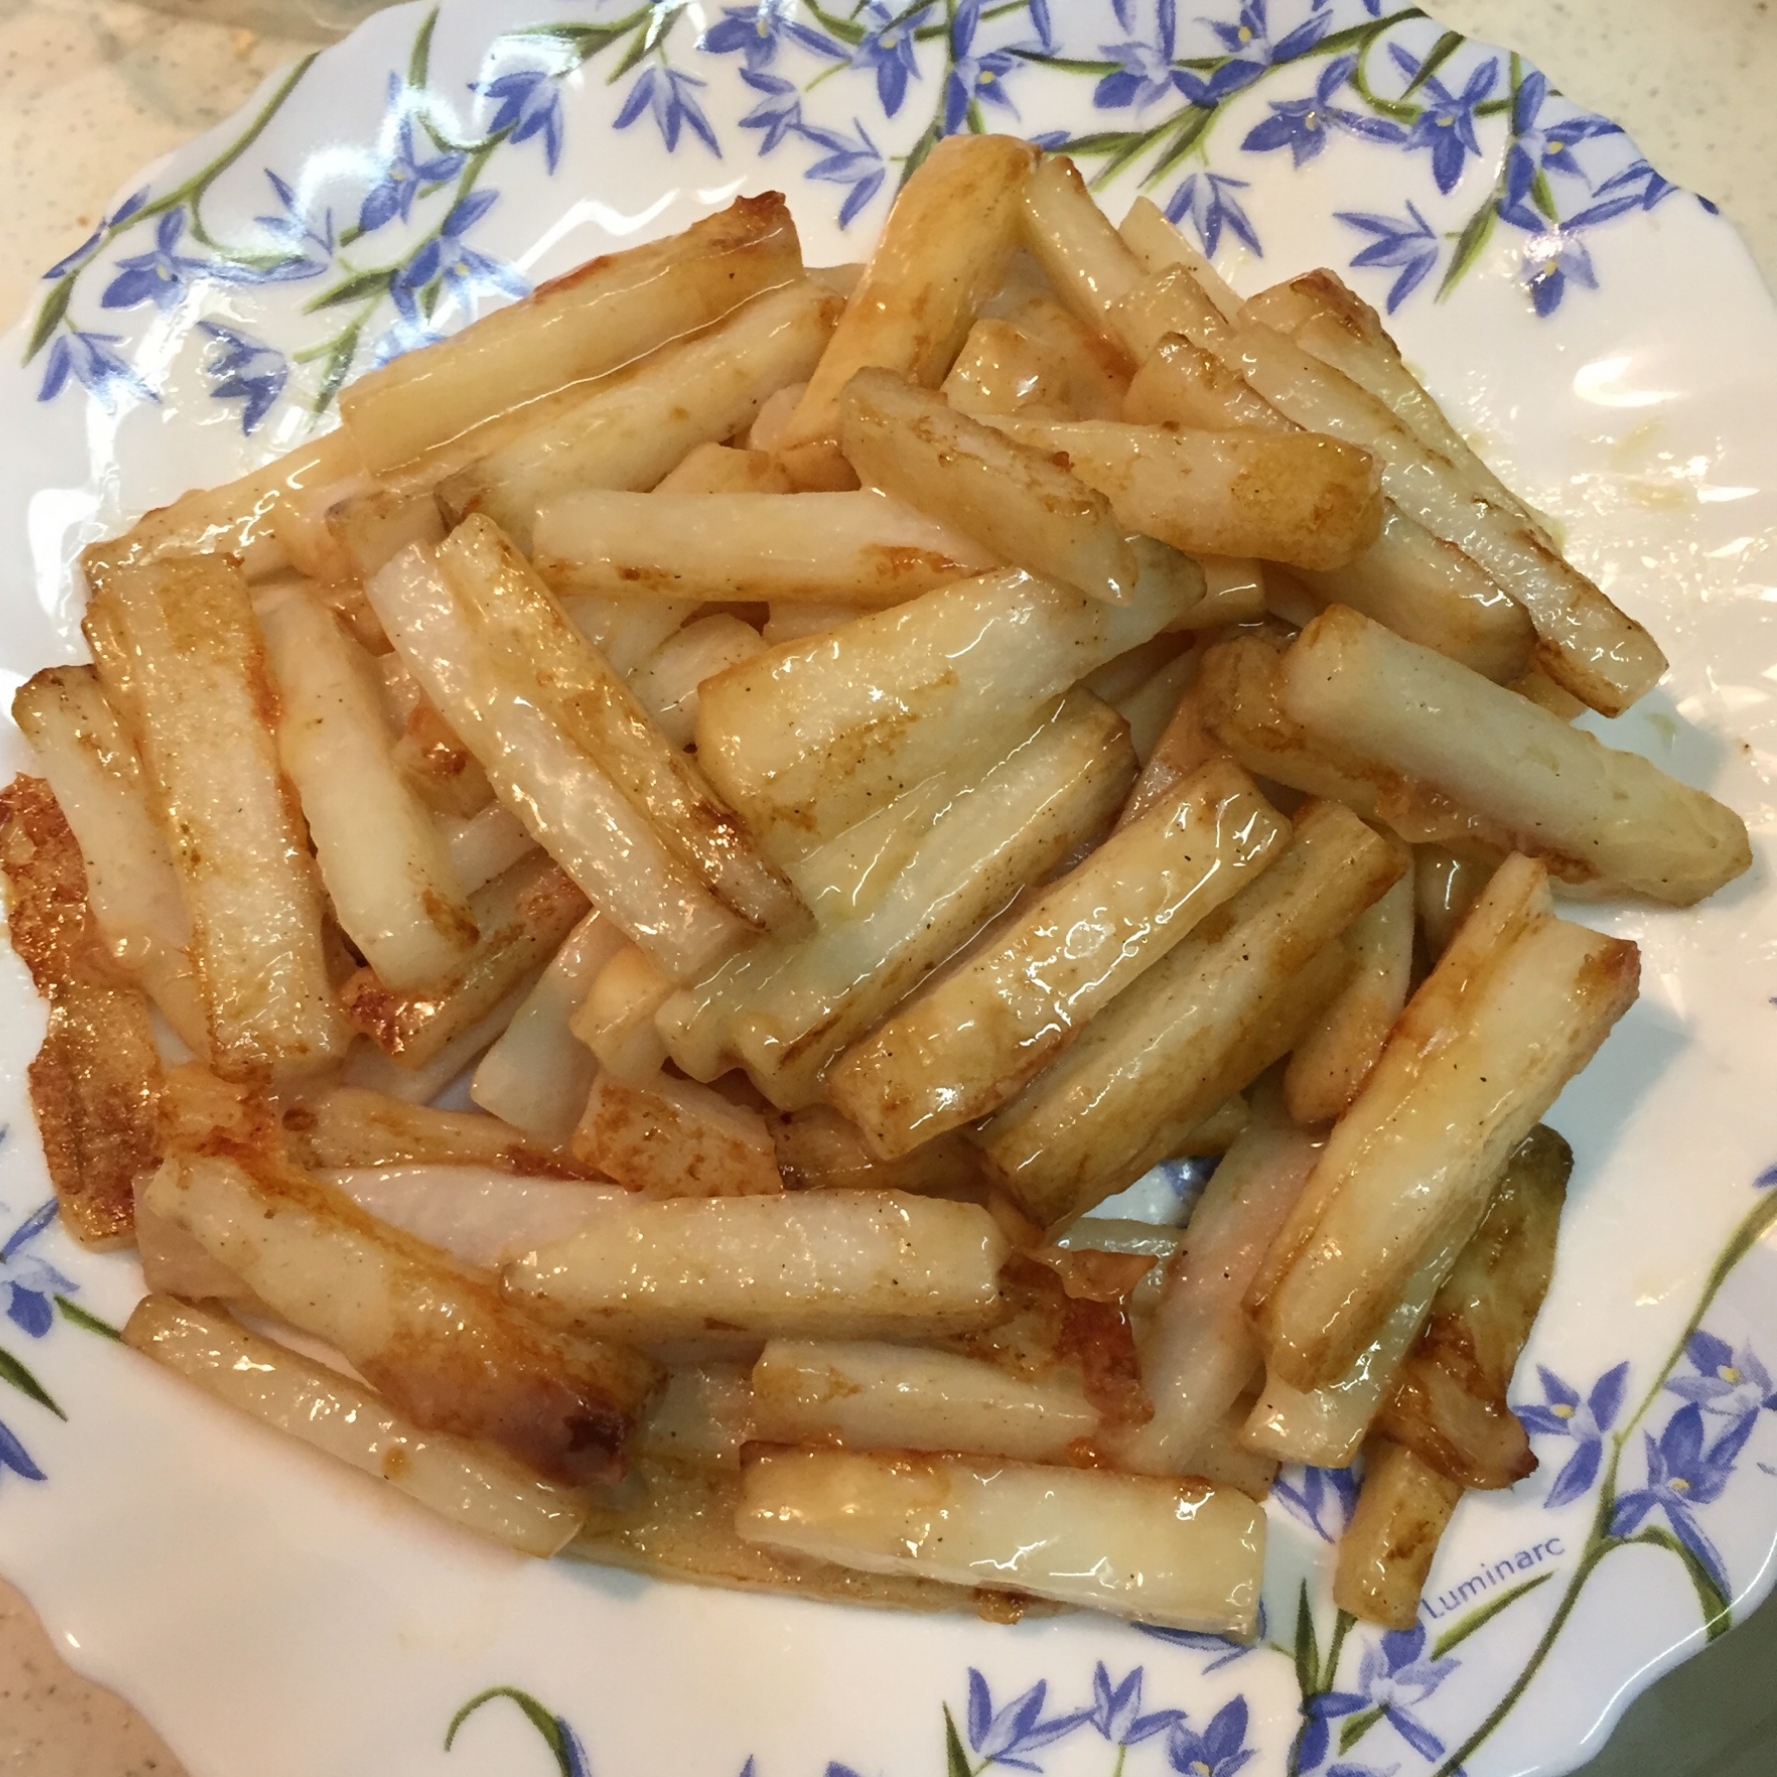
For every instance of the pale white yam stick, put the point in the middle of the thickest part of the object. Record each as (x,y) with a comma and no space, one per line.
(521,917)
(872,1396)
(351,1126)
(1331,1063)
(668,683)
(615,1016)
(1236,698)
(387,873)
(725,469)
(630,429)
(1159,246)
(1183,746)
(92,767)
(818,1150)
(1297,498)
(1479,1055)
(966,1046)
(175,1263)
(1164,303)
(1073,242)
(1430,592)
(401,1313)
(484,1216)
(808,1264)
(790,622)
(1021,506)
(1386,1551)
(1199,1355)
(236,518)
(1150,707)
(943,251)
(368,1067)
(704,1416)
(537,1075)
(372,528)
(540,653)
(602,314)
(1584,642)
(675,1138)
(1057,792)
(1098,369)
(811,736)
(627,630)
(1558,790)
(484,846)
(1123,677)
(1176,1553)
(849,549)
(1419,585)
(1324,316)
(197,696)
(1160,1056)
(1001,369)
(481,1489)
(1234,592)
(1325,1426)
(570,807)
(771,422)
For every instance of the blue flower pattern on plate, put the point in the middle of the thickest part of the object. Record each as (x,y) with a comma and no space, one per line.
(1564,1413)
(245,370)
(1394,1678)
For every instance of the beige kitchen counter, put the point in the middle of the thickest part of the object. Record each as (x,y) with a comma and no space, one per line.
(92,90)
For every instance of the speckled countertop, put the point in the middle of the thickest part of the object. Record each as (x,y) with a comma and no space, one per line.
(92,90)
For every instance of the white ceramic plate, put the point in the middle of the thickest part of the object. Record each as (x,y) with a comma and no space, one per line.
(1601,336)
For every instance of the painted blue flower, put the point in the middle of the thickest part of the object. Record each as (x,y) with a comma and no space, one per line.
(858,165)
(1322,1498)
(1445,128)
(1226,1651)
(1563,1414)
(1552,255)
(122,213)
(1545,148)
(1219,1751)
(777,113)
(91,360)
(1412,246)
(527,102)
(1684,1472)
(161,277)
(1648,188)
(1002,1736)
(244,370)
(756,31)
(1251,51)
(14,1456)
(461,273)
(294,229)
(1394,1677)
(1733,1384)
(1116,1710)
(1304,126)
(670,97)
(1145,72)
(402,176)
(887,50)
(1208,199)
(408,334)
(1768,1177)
(976,76)
(31,1284)
(1343,1769)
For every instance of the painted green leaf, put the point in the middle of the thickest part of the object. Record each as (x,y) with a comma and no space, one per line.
(73,1313)
(1482,1615)
(1307,1647)
(15,1373)
(1718,1609)
(1441,51)
(956,1761)
(356,288)
(534,1712)
(49,318)
(1475,235)
(1356,1727)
